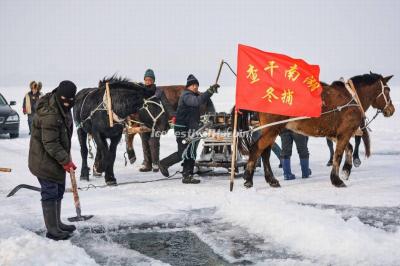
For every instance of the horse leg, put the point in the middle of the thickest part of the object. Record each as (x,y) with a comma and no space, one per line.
(266,140)
(346,170)
(356,157)
(337,158)
(268,174)
(110,159)
(129,147)
(82,137)
(100,160)
(331,151)
(98,167)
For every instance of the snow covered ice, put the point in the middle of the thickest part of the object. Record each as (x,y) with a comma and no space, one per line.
(305,222)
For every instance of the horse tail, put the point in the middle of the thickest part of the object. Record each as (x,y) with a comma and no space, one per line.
(366,139)
(245,141)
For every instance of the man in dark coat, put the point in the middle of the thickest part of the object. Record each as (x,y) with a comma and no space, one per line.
(151,141)
(49,154)
(30,101)
(187,122)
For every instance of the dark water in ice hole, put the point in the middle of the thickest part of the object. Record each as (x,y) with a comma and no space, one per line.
(176,243)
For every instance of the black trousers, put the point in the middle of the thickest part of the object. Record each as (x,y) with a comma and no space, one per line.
(176,157)
(287,138)
(151,149)
(51,191)
(30,120)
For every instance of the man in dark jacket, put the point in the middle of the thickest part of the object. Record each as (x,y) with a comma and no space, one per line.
(187,122)
(30,101)
(151,141)
(49,154)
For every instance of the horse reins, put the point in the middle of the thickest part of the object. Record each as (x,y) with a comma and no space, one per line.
(384,86)
(146,107)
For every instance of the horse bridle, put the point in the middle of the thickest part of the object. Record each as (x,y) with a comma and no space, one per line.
(146,107)
(384,86)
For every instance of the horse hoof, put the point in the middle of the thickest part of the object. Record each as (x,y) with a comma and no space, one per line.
(84,178)
(111,183)
(345,174)
(274,184)
(356,162)
(132,160)
(248,184)
(329,163)
(339,184)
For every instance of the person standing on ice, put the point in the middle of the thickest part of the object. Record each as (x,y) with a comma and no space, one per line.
(49,154)
(30,100)
(151,141)
(187,122)
(287,138)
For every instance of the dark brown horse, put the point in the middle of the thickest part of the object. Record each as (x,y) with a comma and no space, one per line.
(338,124)
(172,93)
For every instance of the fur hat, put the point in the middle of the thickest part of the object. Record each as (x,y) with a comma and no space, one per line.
(32,84)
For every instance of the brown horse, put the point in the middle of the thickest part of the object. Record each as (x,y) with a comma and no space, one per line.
(172,93)
(339,121)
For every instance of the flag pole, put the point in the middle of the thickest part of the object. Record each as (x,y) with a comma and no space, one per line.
(234,150)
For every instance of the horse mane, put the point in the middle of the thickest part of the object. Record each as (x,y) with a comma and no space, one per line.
(119,82)
(367,79)
(337,83)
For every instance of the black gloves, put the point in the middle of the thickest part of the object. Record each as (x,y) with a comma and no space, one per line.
(213,89)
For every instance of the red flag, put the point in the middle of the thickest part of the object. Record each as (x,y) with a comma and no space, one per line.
(277,84)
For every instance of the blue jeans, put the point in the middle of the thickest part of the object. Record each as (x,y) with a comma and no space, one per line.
(51,191)
(287,138)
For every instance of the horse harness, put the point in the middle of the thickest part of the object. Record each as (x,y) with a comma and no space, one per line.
(123,121)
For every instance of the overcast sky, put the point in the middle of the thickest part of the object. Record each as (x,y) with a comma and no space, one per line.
(86,40)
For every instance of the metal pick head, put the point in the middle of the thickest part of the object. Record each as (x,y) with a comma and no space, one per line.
(80,218)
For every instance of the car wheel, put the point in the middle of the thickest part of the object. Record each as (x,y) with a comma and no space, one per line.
(14,135)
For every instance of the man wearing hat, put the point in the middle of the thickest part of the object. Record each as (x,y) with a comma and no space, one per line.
(49,154)
(187,122)
(151,143)
(30,100)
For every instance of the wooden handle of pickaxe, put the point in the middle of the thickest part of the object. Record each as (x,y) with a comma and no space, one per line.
(5,169)
(75,193)
(219,71)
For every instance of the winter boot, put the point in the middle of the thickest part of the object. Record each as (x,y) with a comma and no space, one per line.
(305,169)
(287,172)
(190,180)
(145,168)
(187,173)
(63,227)
(165,163)
(163,170)
(51,222)
(155,167)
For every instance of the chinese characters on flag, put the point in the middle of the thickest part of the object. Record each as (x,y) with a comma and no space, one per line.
(277,84)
